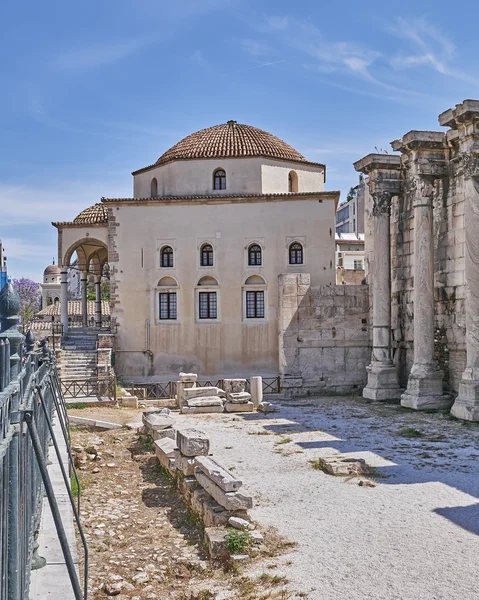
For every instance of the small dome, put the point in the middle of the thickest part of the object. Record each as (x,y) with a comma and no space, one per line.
(52,270)
(98,213)
(230,140)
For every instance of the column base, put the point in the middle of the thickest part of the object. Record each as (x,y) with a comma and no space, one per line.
(424,391)
(382,383)
(466,406)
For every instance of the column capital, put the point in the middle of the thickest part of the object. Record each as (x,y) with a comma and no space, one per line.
(467,164)
(384,178)
(425,153)
(381,202)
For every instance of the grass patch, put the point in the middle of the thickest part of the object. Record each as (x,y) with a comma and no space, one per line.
(268,579)
(237,542)
(74,485)
(410,433)
(260,433)
(319,465)
(77,405)
(285,440)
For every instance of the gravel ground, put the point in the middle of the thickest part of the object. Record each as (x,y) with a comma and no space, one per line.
(414,536)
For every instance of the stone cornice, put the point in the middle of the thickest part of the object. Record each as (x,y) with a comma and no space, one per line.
(384,172)
(462,113)
(373,162)
(420,140)
(425,153)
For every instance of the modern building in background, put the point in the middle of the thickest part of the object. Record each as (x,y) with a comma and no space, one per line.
(350,263)
(350,214)
(3,266)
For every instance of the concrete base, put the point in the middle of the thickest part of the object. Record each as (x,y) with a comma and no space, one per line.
(466,406)
(424,391)
(382,383)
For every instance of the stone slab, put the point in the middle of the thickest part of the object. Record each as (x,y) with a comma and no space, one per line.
(185,377)
(234,385)
(238,397)
(245,407)
(129,401)
(267,407)
(215,538)
(164,450)
(204,401)
(184,464)
(164,433)
(94,423)
(198,410)
(156,421)
(200,392)
(230,500)
(218,474)
(192,442)
(239,523)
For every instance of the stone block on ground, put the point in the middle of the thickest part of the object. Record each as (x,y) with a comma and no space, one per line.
(218,474)
(164,450)
(156,421)
(188,377)
(238,397)
(192,442)
(164,433)
(204,401)
(184,464)
(267,407)
(129,401)
(234,385)
(232,408)
(199,392)
(216,542)
(230,500)
(342,466)
(239,523)
(199,410)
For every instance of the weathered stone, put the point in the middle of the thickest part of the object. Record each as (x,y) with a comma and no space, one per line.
(245,407)
(256,387)
(192,442)
(184,464)
(230,500)
(234,385)
(164,433)
(185,377)
(218,474)
(204,401)
(198,410)
(267,407)
(200,392)
(164,450)
(238,523)
(343,466)
(238,397)
(156,421)
(129,401)
(256,536)
(216,541)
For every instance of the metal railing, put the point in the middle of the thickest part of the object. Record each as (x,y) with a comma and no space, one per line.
(167,389)
(85,388)
(29,398)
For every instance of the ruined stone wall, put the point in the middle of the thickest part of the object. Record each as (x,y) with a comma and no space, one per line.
(324,336)
(449,290)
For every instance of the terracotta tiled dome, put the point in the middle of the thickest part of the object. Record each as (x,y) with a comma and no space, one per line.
(52,270)
(98,213)
(230,140)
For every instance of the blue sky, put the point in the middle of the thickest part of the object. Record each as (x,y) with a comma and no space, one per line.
(93,90)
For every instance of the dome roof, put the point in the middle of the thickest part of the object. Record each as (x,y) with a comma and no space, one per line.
(52,270)
(230,140)
(98,213)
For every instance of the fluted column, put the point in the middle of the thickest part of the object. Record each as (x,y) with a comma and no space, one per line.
(424,388)
(64,299)
(97,300)
(466,405)
(84,296)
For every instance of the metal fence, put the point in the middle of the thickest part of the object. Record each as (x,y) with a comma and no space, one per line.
(167,389)
(29,397)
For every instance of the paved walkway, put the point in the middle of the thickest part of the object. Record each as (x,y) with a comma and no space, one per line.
(412,537)
(52,582)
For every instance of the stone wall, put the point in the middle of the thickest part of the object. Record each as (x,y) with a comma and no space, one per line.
(324,336)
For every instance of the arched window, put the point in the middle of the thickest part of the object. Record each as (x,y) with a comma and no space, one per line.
(295,254)
(254,255)
(154,188)
(292,182)
(219,179)
(206,255)
(166,256)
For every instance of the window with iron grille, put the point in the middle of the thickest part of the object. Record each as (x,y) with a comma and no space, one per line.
(167,256)
(296,254)
(206,255)
(255,305)
(254,255)
(207,305)
(168,306)
(219,180)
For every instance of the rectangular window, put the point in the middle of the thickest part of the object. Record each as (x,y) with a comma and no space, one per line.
(358,265)
(167,306)
(207,305)
(255,305)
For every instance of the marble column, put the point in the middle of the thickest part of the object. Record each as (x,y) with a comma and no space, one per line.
(64,300)
(466,405)
(382,373)
(84,295)
(97,300)
(424,388)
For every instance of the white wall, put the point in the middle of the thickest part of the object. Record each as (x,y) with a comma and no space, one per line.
(232,346)
(243,176)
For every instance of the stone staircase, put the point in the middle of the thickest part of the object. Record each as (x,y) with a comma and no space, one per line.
(79,355)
